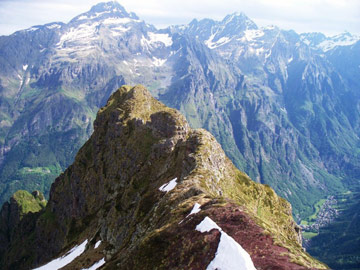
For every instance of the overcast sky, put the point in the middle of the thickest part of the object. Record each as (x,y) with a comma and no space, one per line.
(327,16)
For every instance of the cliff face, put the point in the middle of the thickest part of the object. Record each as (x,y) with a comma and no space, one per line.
(138,192)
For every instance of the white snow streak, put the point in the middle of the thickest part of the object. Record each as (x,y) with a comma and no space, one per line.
(25,67)
(229,255)
(97,244)
(196,209)
(253,34)
(21,81)
(96,265)
(66,259)
(218,43)
(168,186)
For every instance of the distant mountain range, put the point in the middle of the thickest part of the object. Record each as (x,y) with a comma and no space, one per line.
(284,106)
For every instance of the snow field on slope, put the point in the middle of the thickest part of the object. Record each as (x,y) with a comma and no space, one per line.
(96,265)
(66,259)
(229,255)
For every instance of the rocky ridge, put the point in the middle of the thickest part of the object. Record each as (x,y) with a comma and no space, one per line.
(284,111)
(139,188)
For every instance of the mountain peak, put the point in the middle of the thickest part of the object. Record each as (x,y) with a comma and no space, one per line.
(240,18)
(326,43)
(108,6)
(238,14)
(105,10)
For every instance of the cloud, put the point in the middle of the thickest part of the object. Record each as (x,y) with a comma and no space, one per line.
(328,16)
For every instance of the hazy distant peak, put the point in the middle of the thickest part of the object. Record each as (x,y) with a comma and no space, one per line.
(236,15)
(324,43)
(104,10)
(108,6)
(240,18)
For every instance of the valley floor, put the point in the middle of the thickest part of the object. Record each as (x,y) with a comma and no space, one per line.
(334,236)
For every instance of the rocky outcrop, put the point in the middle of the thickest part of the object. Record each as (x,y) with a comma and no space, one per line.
(138,190)
(21,204)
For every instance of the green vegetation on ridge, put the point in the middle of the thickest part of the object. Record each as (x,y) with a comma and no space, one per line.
(29,202)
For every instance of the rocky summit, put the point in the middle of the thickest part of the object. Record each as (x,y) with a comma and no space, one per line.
(148,192)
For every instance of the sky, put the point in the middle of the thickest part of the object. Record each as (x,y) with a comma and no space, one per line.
(327,16)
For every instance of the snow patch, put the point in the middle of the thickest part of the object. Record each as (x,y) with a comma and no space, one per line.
(344,39)
(207,225)
(96,265)
(21,80)
(158,62)
(82,18)
(120,29)
(97,14)
(25,67)
(210,40)
(229,255)
(259,51)
(220,42)
(52,26)
(253,34)
(164,38)
(32,29)
(168,186)
(83,34)
(196,209)
(118,21)
(66,259)
(97,244)
(307,42)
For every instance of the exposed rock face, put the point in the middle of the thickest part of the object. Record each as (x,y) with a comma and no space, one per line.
(119,191)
